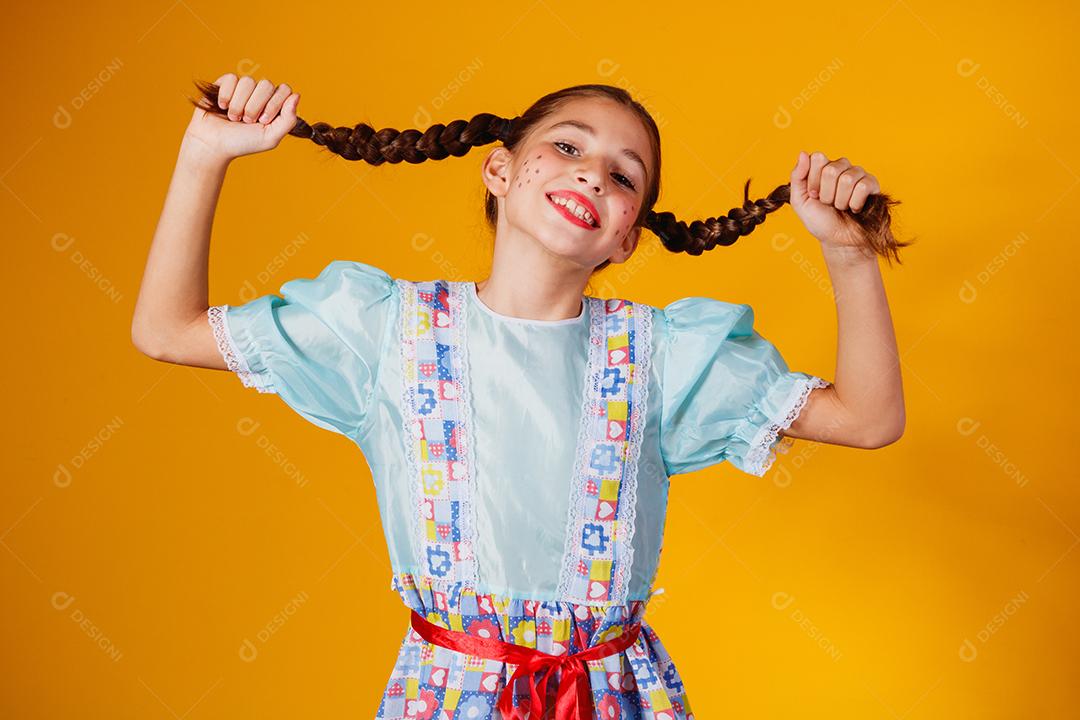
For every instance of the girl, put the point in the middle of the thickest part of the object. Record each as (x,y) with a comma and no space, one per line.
(521,435)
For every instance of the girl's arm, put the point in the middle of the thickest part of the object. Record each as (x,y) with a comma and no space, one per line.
(170,320)
(864,407)
(170,313)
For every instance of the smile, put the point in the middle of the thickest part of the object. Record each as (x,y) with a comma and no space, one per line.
(575,208)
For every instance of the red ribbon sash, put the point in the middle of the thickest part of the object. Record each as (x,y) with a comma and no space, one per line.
(573,700)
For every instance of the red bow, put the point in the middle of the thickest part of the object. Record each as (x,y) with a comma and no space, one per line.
(574,698)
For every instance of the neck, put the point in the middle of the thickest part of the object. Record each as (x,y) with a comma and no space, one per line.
(528,282)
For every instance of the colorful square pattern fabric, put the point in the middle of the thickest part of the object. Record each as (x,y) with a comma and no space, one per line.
(599,549)
(436,418)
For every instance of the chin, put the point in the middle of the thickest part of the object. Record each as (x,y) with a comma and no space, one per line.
(567,247)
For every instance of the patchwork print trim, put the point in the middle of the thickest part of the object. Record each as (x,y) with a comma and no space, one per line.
(599,552)
(437,419)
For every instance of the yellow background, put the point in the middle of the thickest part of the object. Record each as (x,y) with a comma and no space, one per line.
(178,546)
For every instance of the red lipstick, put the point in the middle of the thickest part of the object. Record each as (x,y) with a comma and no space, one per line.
(579,200)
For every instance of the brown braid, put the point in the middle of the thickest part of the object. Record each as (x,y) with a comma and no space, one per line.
(363,142)
(703,235)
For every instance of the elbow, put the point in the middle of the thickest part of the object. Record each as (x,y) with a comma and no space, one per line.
(884,435)
(167,340)
(144,346)
(146,341)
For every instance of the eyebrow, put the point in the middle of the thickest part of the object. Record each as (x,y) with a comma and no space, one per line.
(585,127)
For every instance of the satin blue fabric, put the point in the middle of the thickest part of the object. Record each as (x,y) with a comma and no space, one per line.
(328,347)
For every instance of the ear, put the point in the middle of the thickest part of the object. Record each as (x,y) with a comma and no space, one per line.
(627,246)
(495,171)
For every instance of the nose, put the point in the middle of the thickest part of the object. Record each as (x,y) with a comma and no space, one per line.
(591,184)
(590,176)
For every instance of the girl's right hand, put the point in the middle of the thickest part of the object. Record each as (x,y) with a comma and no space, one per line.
(249,117)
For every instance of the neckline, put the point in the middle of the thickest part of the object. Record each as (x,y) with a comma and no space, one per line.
(471,290)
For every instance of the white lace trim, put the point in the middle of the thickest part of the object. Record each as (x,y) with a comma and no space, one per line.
(465,570)
(459,352)
(627,513)
(234,359)
(766,445)
(409,419)
(575,523)
(627,524)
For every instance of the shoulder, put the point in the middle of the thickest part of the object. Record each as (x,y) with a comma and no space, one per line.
(341,290)
(344,275)
(689,316)
(702,316)
(356,272)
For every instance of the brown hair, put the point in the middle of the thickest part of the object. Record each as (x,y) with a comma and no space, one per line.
(363,142)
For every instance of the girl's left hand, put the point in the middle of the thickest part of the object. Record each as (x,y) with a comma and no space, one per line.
(823,191)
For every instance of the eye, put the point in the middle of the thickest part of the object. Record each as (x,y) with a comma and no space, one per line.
(626,182)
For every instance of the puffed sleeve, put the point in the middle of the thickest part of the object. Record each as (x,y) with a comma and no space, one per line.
(727,392)
(317,345)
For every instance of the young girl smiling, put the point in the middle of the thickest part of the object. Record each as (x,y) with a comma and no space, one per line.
(522,434)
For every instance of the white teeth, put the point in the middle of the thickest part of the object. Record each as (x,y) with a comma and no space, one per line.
(576,209)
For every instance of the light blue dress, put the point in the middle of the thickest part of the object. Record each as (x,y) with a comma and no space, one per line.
(713,390)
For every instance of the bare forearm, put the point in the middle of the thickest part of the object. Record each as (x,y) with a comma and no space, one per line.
(174,291)
(867,381)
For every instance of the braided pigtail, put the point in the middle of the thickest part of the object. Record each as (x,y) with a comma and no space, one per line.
(872,221)
(363,142)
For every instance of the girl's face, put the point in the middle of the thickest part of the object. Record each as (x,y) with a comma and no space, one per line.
(592,156)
